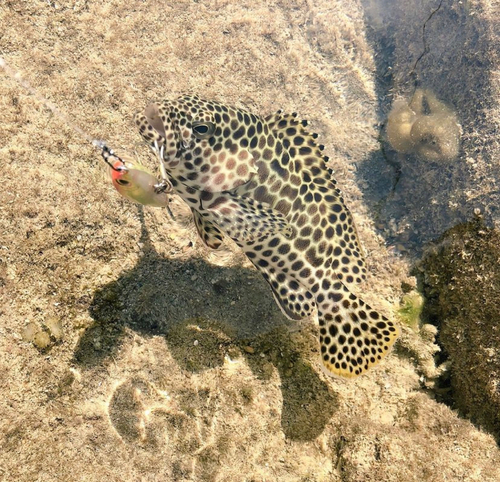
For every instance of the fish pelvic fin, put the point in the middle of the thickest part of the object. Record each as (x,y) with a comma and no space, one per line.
(353,336)
(245,220)
(208,232)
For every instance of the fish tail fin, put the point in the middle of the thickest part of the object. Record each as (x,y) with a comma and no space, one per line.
(353,336)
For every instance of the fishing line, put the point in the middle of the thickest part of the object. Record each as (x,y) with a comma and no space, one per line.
(106,152)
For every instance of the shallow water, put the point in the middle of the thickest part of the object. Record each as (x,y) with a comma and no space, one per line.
(445,48)
(158,359)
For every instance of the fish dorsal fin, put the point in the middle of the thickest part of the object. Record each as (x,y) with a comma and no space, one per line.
(297,139)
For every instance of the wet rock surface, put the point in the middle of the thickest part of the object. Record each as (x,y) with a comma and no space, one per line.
(416,198)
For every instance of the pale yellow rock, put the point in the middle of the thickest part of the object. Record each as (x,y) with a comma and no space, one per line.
(399,124)
(55,327)
(29,332)
(41,340)
(425,127)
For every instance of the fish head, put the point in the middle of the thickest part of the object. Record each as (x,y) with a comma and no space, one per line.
(203,144)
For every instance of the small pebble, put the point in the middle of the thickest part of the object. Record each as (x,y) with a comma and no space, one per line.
(55,327)
(249,349)
(29,332)
(41,340)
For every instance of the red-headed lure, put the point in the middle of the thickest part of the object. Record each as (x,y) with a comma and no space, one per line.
(134,181)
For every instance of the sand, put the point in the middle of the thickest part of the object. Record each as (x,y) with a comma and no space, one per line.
(131,352)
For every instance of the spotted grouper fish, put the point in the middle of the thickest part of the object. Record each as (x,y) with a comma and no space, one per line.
(264,183)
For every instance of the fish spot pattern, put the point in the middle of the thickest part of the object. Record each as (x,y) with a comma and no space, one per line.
(264,183)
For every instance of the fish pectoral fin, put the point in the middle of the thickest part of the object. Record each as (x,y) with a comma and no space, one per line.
(353,337)
(209,233)
(243,219)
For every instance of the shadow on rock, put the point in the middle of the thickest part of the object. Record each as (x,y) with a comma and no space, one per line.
(308,402)
(405,202)
(206,312)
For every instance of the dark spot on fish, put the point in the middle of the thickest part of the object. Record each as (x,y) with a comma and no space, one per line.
(289,192)
(335,297)
(297,204)
(284,249)
(312,209)
(240,132)
(276,167)
(302,243)
(312,258)
(317,235)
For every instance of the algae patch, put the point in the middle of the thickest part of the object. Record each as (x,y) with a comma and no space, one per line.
(460,281)
(411,309)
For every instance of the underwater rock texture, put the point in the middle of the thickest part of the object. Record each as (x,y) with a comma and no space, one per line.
(461,283)
(167,361)
(416,50)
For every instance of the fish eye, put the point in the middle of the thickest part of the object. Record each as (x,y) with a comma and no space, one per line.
(122,182)
(203,130)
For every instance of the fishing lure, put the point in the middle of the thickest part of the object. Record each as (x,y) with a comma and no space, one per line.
(133,181)
(130,179)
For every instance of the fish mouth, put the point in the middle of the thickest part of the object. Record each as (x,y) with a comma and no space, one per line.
(152,114)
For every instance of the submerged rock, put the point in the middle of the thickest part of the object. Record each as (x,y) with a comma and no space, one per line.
(425,126)
(461,283)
